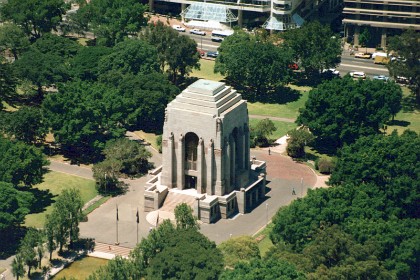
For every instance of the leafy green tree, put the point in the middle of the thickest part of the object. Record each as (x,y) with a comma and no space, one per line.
(18,269)
(12,38)
(84,65)
(244,59)
(299,138)
(21,163)
(83,116)
(26,124)
(36,17)
(113,21)
(263,269)
(132,155)
(239,249)
(340,111)
(176,54)
(185,218)
(57,45)
(130,56)
(42,69)
(314,46)
(14,206)
(50,228)
(176,261)
(262,131)
(364,37)
(28,248)
(8,82)
(106,174)
(116,269)
(407,48)
(63,223)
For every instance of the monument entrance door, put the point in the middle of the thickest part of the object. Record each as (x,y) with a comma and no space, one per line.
(190,182)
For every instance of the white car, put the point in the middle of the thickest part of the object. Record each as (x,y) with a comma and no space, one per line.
(197,32)
(178,28)
(333,71)
(357,75)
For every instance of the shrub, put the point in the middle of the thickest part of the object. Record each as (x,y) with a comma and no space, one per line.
(325,166)
(159,143)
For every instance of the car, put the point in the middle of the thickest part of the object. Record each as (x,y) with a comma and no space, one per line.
(178,28)
(402,80)
(294,66)
(201,52)
(212,54)
(375,54)
(197,32)
(330,73)
(381,78)
(357,74)
(363,55)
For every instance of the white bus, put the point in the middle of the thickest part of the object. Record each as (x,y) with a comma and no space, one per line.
(220,35)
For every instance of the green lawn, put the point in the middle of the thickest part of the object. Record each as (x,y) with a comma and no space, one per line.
(207,71)
(148,137)
(282,127)
(46,192)
(263,237)
(408,117)
(81,269)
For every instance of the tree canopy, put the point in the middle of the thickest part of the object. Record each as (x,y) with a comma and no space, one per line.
(254,63)
(406,48)
(315,47)
(8,82)
(21,164)
(239,249)
(84,65)
(83,116)
(14,205)
(342,110)
(36,17)
(12,38)
(113,21)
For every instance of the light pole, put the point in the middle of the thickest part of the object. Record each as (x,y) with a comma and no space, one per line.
(266,214)
(301,187)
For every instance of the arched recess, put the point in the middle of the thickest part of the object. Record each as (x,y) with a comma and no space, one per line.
(191,151)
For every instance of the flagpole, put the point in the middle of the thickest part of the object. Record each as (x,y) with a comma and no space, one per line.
(117,243)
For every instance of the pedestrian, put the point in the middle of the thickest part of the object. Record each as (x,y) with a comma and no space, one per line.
(293,191)
(109,247)
(269,151)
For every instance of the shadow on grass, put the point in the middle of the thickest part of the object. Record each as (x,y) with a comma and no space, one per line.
(324,148)
(10,240)
(42,199)
(399,123)
(409,104)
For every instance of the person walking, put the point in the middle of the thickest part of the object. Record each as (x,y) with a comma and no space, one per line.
(269,151)
(293,191)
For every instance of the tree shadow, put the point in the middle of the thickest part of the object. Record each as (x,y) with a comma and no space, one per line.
(409,104)
(10,241)
(42,199)
(399,123)
(324,147)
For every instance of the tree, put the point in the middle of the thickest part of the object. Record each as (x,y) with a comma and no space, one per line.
(113,21)
(364,37)
(132,155)
(176,261)
(244,58)
(8,82)
(406,48)
(263,269)
(84,65)
(184,217)
(21,164)
(83,116)
(12,38)
(57,45)
(14,206)
(130,56)
(299,138)
(106,174)
(116,269)
(36,17)
(342,110)
(262,130)
(18,269)
(314,46)
(28,248)
(26,124)
(177,61)
(50,228)
(63,223)
(239,249)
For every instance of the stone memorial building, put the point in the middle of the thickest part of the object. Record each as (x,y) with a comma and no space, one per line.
(206,155)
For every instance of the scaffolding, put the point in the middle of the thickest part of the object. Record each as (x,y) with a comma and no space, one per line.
(208,12)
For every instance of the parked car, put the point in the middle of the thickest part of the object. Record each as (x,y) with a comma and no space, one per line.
(357,74)
(201,52)
(402,80)
(197,32)
(212,54)
(330,73)
(178,28)
(294,66)
(381,78)
(363,55)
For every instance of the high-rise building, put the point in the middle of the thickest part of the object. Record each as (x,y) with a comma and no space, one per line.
(382,18)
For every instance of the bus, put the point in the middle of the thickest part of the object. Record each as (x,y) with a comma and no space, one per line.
(220,35)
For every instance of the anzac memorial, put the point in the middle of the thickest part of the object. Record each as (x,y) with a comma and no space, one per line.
(206,156)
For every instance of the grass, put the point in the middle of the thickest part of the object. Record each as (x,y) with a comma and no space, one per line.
(408,117)
(148,137)
(282,127)
(2,269)
(265,242)
(207,71)
(82,268)
(95,205)
(46,193)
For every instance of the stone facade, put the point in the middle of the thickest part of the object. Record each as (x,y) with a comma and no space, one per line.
(205,146)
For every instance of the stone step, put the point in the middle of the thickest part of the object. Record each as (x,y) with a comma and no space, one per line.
(112,249)
(174,198)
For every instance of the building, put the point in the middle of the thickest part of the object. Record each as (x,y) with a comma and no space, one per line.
(277,15)
(382,18)
(206,155)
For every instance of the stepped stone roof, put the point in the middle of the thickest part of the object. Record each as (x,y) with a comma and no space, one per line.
(207,97)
